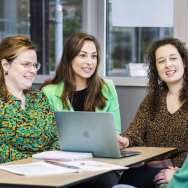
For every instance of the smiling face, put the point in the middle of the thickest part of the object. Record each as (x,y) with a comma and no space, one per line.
(169,64)
(21,72)
(85,63)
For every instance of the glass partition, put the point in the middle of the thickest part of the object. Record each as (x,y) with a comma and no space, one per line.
(131,26)
(65,17)
(48,22)
(14,17)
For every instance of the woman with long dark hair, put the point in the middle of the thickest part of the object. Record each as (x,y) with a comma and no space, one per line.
(76,85)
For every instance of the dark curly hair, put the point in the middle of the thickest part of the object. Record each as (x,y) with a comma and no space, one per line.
(156,86)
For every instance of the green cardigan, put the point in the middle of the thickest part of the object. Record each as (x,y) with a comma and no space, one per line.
(54,92)
(180,178)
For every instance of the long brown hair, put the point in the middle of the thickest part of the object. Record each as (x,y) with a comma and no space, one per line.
(10,48)
(65,73)
(156,85)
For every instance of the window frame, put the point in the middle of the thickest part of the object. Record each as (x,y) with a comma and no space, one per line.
(94,22)
(180,31)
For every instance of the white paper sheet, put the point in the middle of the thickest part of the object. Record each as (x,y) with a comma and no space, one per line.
(36,169)
(91,165)
(62,155)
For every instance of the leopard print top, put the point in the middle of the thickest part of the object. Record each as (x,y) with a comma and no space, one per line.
(165,130)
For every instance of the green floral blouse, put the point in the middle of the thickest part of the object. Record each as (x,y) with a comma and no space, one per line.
(24,132)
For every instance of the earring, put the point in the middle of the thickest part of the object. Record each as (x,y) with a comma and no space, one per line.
(6,73)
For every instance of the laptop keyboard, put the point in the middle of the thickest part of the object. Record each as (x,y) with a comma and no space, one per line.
(127,153)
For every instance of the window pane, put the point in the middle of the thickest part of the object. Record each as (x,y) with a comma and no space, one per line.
(65,18)
(127,42)
(14,17)
(52,21)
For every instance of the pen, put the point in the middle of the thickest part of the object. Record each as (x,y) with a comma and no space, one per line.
(62,164)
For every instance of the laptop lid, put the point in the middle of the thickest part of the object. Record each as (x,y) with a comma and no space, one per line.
(88,132)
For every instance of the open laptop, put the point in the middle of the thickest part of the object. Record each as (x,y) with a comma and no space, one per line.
(89,132)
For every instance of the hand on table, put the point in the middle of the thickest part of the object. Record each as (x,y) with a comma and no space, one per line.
(123,141)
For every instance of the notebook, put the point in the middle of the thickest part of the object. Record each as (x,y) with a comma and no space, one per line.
(89,132)
(62,155)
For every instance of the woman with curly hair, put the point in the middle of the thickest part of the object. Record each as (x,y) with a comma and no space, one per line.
(162,117)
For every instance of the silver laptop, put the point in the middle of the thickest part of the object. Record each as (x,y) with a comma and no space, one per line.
(89,132)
